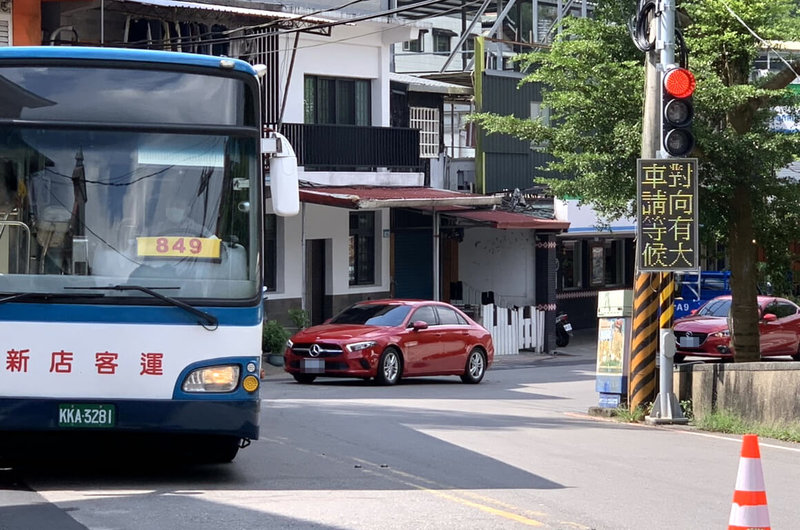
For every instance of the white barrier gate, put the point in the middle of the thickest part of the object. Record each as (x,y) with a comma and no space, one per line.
(514,329)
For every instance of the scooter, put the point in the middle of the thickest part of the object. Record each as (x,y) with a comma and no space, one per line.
(563,330)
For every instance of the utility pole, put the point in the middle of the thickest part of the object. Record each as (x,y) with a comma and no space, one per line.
(644,336)
(666,408)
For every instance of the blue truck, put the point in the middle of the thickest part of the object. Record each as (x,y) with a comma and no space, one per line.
(693,290)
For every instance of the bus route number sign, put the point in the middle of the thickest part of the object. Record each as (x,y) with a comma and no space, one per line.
(86,415)
(178,247)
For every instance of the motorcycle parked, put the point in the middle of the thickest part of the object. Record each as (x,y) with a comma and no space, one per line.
(563,329)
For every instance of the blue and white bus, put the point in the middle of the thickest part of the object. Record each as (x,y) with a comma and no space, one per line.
(131,213)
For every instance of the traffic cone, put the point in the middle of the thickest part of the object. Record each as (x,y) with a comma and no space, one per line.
(749,509)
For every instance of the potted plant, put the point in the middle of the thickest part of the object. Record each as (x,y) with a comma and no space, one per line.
(273,342)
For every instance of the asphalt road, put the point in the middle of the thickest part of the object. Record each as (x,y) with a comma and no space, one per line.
(516,451)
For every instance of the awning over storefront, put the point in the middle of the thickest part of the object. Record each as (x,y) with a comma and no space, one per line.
(362,198)
(232,9)
(505,220)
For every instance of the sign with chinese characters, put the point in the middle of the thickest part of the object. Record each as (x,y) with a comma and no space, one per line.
(75,361)
(666,195)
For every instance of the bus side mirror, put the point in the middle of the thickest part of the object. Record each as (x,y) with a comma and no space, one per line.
(283,179)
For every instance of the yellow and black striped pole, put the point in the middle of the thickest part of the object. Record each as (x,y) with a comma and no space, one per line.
(644,341)
(666,297)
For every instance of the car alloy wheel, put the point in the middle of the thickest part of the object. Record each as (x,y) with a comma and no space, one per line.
(476,367)
(388,368)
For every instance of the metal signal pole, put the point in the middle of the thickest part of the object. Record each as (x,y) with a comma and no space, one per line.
(666,408)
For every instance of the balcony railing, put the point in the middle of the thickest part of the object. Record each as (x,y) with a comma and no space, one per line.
(353,147)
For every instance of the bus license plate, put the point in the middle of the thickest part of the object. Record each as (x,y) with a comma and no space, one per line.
(84,415)
(313,366)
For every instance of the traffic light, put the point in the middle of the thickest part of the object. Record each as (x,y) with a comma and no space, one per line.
(677,111)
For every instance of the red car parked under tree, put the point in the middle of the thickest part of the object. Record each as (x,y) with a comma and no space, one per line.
(390,339)
(706,333)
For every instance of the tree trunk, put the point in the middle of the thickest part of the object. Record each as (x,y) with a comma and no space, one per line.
(744,310)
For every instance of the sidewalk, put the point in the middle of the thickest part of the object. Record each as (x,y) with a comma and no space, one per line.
(582,345)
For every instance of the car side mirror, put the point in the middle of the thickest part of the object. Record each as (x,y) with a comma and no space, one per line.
(419,324)
(770,317)
(693,312)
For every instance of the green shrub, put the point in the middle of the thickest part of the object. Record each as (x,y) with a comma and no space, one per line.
(637,415)
(274,337)
(300,318)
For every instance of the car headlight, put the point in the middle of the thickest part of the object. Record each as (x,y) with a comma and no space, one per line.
(722,334)
(212,379)
(358,346)
(289,343)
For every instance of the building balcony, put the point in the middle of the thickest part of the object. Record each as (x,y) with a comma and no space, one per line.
(354,148)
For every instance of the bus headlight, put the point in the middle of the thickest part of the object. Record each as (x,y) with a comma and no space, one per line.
(212,379)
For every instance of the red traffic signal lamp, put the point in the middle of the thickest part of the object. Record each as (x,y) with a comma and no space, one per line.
(677,111)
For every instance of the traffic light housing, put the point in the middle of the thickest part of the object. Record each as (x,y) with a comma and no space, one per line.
(677,111)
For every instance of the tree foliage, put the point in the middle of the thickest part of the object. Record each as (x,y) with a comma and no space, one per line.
(593,79)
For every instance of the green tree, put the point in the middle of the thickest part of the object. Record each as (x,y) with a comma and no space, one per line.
(593,78)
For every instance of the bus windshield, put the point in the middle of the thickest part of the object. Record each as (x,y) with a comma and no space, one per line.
(107,192)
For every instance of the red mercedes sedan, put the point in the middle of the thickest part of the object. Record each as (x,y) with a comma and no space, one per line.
(391,339)
(705,332)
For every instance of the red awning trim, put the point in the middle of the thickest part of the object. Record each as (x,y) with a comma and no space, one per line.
(510,220)
(367,197)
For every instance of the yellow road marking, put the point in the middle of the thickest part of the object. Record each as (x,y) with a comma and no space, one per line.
(416,482)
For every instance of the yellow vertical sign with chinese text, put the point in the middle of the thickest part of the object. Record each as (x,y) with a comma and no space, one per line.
(667,226)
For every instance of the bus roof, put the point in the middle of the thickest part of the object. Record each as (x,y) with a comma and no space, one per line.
(120,54)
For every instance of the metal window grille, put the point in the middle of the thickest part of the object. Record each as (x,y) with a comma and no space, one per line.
(5,29)
(427,121)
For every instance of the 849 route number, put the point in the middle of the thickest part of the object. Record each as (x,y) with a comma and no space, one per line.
(178,247)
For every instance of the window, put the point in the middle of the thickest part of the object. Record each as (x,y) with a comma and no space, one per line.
(5,29)
(362,248)
(598,265)
(539,112)
(425,314)
(341,101)
(570,262)
(413,45)
(448,317)
(469,47)
(781,309)
(427,121)
(271,252)
(441,40)
(615,261)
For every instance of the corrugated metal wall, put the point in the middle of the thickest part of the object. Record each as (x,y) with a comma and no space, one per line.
(510,163)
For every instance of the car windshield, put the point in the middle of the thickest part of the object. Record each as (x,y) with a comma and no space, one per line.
(373,315)
(716,308)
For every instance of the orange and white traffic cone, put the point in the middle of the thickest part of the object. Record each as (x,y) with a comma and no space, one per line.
(749,510)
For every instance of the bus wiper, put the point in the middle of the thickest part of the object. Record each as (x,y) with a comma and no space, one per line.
(46,296)
(207,320)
